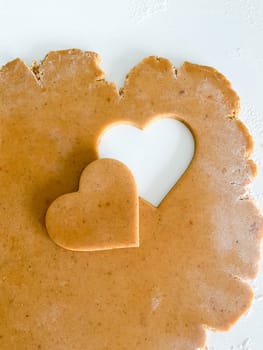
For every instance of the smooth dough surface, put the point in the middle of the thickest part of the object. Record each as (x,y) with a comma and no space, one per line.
(196,249)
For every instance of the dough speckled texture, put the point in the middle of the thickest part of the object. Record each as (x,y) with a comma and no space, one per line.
(196,250)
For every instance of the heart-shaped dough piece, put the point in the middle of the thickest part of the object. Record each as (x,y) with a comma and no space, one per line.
(102,215)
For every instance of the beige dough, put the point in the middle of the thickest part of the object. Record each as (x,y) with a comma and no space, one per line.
(102,215)
(196,250)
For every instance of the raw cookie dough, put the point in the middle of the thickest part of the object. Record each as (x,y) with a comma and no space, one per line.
(195,250)
(102,215)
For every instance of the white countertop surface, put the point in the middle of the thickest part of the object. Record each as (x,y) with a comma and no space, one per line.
(225,34)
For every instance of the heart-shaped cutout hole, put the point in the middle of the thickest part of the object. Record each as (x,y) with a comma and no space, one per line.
(157,156)
(102,215)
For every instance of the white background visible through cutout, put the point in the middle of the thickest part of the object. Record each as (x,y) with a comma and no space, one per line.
(157,156)
(226,34)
